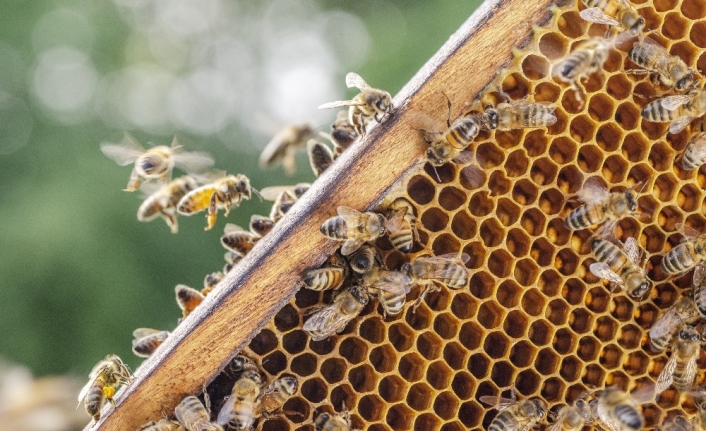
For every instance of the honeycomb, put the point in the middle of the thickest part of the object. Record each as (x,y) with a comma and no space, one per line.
(532,315)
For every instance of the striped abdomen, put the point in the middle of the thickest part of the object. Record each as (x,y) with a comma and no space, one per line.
(695,154)
(615,258)
(527,115)
(95,398)
(463,131)
(680,259)
(335,228)
(654,111)
(683,378)
(586,216)
(324,278)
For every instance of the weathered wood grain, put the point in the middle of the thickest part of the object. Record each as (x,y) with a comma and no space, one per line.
(267,278)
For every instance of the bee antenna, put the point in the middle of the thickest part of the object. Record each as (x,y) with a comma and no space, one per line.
(256,192)
(437,174)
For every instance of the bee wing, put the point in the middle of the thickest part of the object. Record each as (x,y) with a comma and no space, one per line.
(144,332)
(396,221)
(699,276)
(664,324)
(688,231)
(394,281)
(698,146)
(351,245)
(602,270)
(339,104)
(499,403)
(272,193)
(593,191)
(124,153)
(666,377)
(355,80)
(679,124)
(84,391)
(632,249)
(594,14)
(670,103)
(282,143)
(691,369)
(231,227)
(347,212)
(329,319)
(193,161)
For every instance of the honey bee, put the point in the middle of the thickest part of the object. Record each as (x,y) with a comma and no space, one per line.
(238,240)
(668,69)
(283,197)
(325,278)
(518,114)
(187,298)
(210,281)
(320,156)
(331,319)
(573,418)
(370,103)
(365,259)
(194,416)
(601,206)
(681,367)
(619,411)
(447,146)
(700,402)
(688,254)
(277,393)
(224,192)
(514,415)
(402,230)
(162,425)
(695,152)
(261,225)
(391,288)
(699,288)
(155,163)
(678,423)
(343,134)
(614,13)
(354,227)
(240,410)
(146,340)
(431,272)
(678,110)
(621,267)
(334,422)
(284,146)
(163,201)
(585,60)
(681,312)
(103,380)
(231,259)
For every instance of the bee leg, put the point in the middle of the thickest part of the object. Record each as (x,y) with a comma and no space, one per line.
(171,221)
(420,299)
(134,182)
(212,212)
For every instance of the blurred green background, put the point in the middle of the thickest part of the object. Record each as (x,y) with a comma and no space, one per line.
(78,271)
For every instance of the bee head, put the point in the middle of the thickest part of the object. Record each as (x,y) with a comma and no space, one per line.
(151,164)
(685,82)
(490,118)
(321,420)
(641,288)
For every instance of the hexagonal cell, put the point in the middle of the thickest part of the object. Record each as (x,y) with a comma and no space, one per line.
(444,244)
(392,388)
(528,382)
(635,147)
(333,369)
(629,336)
(354,349)
(619,86)
(451,198)
(304,364)
(498,183)
(517,242)
(371,407)
(593,375)
(524,192)
(615,169)
(693,9)
(419,396)
(264,342)
(582,128)
(590,158)
(674,26)
(421,190)
(668,217)
(463,226)
(611,356)
(455,355)
(489,155)
(401,336)
(540,332)
(689,197)
(426,421)
(665,187)
(542,251)
(496,344)
(569,180)
(580,321)
(557,312)
(661,156)
(588,348)
(295,341)
(564,341)
(463,306)
(516,164)
(296,410)
(273,424)
(479,365)
(598,299)
(605,328)
(472,177)
(476,251)
(535,142)
(274,363)
(533,302)
(471,335)
(363,378)
(627,115)
(553,46)
(515,324)
(411,367)
(490,314)
(314,390)
(570,368)
(533,221)
(500,263)
(439,375)
(574,291)
(636,363)
(399,417)
(609,136)
(306,298)
(508,293)
(507,212)
(287,319)
(550,282)
(491,232)
(463,385)
(543,171)
(566,261)
(553,389)
(446,325)
(562,150)
(481,204)
(502,373)
(622,308)
(373,330)
(547,361)
(600,107)
(323,347)
(435,219)
(429,345)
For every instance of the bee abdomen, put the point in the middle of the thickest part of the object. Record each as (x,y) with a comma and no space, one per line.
(335,228)
(585,216)
(502,422)
(94,401)
(629,416)
(402,241)
(679,259)
(654,111)
(324,278)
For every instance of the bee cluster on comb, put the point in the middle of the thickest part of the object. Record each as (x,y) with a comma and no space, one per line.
(487,272)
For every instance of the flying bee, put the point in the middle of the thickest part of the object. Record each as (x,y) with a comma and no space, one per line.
(621,267)
(619,411)
(517,114)
(695,152)
(447,146)
(681,368)
(402,225)
(585,60)
(688,254)
(678,110)
(681,312)
(146,340)
(334,422)
(431,272)
(601,206)
(614,13)
(277,393)
(261,225)
(283,197)
(163,201)
(331,319)
(668,69)
(238,240)
(194,416)
(187,298)
(573,418)
(514,415)
(224,192)
(103,380)
(371,103)
(284,146)
(155,163)
(354,227)
(162,425)
(320,156)
(210,281)
(343,134)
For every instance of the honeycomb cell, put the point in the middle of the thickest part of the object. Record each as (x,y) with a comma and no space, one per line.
(354,349)
(491,232)
(553,389)
(664,5)
(273,424)
(547,361)
(528,382)
(661,156)
(553,46)
(452,426)
(304,365)
(472,177)
(509,293)
(570,368)
(333,369)
(287,319)
(580,321)
(551,201)
(609,136)
(516,164)
(391,388)
(502,373)
(570,179)
(295,341)
(463,226)
(636,363)
(674,26)
(588,348)
(557,312)
(622,308)
(411,367)
(481,204)
(455,355)
(543,171)
(668,217)
(593,375)
(563,150)
(665,187)
(371,407)
(574,291)
(479,365)
(463,385)
(482,285)
(614,169)
(507,212)
(535,67)
(540,333)
(517,242)
(419,396)
(515,324)
(533,221)
(435,219)
(598,299)
(611,356)
(306,298)
(445,244)
(489,155)
(689,197)
(426,421)
(619,86)
(274,363)
(582,128)
(441,174)
(535,142)
(564,341)
(524,192)
(490,314)
(600,107)
(684,50)
(550,282)
(421,190)
(314,390)
(382,358)
(401,336)
(446,326)
(476,253)
(590,158)
(296,410)
(451,198)
(496,344)
(533,302)
(439,375)
(500,263)
(627,115)
(264,342)
(498,184)
(566,261)
(693,9)
(323,347)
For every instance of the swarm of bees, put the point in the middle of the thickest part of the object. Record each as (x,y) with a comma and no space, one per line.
(357,274)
